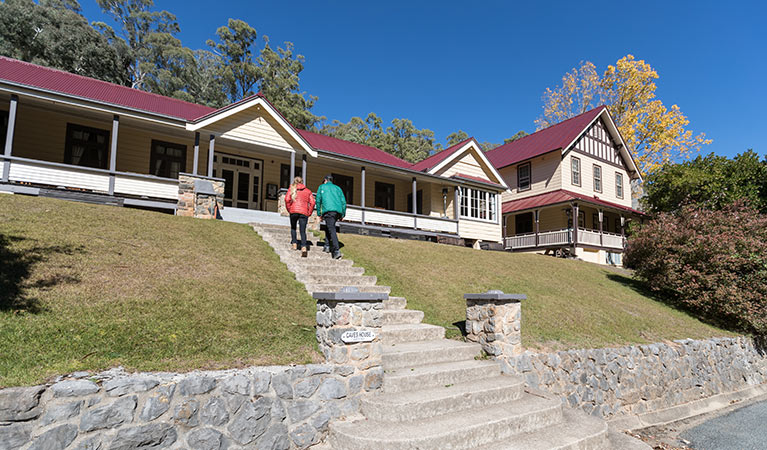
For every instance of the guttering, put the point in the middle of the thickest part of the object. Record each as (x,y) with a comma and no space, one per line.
(117,109)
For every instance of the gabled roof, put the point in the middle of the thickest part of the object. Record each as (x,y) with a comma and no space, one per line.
(347,148)
(464,177)
(560,196)
(555,137)
(57,81)
(438,157)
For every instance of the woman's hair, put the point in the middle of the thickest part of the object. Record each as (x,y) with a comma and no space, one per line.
(292,190)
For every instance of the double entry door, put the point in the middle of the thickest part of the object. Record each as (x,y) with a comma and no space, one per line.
(243,180)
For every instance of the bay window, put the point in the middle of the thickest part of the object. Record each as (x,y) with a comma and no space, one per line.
(479,204)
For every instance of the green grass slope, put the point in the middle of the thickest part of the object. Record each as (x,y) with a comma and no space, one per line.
(571,304)
(87,287)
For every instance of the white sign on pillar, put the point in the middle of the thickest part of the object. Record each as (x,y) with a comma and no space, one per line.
(353,336)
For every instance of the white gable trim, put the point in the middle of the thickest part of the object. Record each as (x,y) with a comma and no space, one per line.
(456,154)
(625,153)
(257,101)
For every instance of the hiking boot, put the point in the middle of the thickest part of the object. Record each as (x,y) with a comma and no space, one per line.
(326,249)
(294,245)
(304,251)
(337,255)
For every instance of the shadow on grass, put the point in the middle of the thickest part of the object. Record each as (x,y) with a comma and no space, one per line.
(642,288)
(16,268)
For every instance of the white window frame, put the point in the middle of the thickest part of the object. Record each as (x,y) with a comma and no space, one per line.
(597,179)
(575,173)
(618,184)
(478,204)
(529,177)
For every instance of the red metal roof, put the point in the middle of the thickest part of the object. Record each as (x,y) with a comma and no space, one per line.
(347,148)
(560,196)
(40,77)
(435,159)
(549,139)
(473,178)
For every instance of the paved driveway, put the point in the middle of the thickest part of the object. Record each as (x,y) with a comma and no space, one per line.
(742,429)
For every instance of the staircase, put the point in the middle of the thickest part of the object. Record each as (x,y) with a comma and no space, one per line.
(440,393)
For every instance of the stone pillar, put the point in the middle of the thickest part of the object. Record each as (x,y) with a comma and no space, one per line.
(493,320)
(349,331)
(199,197)
(282,208)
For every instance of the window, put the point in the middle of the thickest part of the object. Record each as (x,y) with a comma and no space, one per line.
(384,195)
(617,224)
(618,184)
(581,219)
(167,159)
(285,179)
(418,202)
(523,177)
(478,204)
(575,164)
(597,178)
(3,128)
(595,221)
(86,146)
(523,223)
(347,186)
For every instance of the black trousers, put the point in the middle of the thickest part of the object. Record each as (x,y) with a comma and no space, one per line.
(300,219)
(331,238)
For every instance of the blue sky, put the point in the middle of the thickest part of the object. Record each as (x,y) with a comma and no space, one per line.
(482,66)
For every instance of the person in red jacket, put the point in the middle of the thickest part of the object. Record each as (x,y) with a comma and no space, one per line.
(299,202)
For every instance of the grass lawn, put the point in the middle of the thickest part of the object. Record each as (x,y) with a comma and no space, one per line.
(571,304)
(87,287)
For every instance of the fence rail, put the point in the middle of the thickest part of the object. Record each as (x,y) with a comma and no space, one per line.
(399,219)
(563,237)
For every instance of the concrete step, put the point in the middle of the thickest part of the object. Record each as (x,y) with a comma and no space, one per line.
(422,404)
(622,441)
(346,280)
(457,430)
(326,269)
(395,303)
(401,316)
(302,263)
(315,255)
(395,334)
(312,288)
(428,352)
(270,227)
(436,375)
(577,431)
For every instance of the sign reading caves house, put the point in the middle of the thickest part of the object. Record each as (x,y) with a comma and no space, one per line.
(358,336)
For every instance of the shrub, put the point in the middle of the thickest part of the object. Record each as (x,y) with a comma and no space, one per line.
(713,262)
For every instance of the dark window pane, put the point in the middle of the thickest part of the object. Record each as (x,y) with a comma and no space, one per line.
(243,180)
(228,177)
(87,147)
(167,159)
(347,186)
(384,195)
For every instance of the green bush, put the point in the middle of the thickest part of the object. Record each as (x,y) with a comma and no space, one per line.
(713,262)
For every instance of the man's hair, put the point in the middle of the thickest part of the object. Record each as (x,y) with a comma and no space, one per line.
(329,178)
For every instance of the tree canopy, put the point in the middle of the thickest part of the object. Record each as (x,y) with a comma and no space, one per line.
(712,182)
(656,134)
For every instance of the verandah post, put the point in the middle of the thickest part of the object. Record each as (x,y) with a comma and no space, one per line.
(303,168)
(456,200)
(575,225)
(362,201)
(601,239)
(9,137)
(292,166)
(415,204)
(537,226)
(211,149)
(113,154)
(196,152)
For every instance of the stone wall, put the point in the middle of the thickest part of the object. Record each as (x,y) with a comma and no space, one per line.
(614,382)
(260,407)
(199,196)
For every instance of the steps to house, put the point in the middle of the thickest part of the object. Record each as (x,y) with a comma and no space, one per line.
(437,393)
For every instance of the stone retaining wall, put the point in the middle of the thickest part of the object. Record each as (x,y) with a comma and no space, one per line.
(260,407)
(614,382)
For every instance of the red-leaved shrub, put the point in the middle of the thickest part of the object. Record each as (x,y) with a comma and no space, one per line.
(713,262)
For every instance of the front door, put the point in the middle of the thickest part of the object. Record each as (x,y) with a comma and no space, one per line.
(242,178)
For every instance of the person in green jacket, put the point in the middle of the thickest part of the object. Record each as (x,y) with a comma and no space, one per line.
(331,206)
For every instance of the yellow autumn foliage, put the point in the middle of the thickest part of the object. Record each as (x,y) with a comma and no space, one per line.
(655,134)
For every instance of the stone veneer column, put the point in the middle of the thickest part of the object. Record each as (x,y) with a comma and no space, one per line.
(349,331)
(493,320)
(198,196)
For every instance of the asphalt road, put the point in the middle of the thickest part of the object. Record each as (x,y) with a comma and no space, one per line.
(742,429)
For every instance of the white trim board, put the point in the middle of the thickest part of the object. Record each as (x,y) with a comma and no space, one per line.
(472,143)
(256,101)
